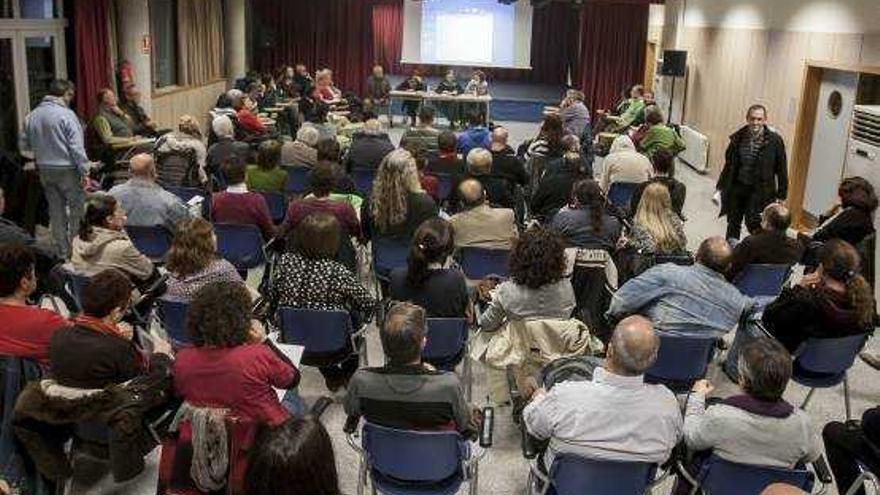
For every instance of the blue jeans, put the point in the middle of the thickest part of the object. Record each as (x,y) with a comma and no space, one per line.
(66,199)
(294,403)
(745,334)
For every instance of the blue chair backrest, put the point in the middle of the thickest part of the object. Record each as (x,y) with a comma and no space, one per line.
(187,193)
(363,180)
(446,338)
(16,374)
(277,205)
(444,186)
(576,475)
(241,245)
(720,477)
(414,456)
(762,279)
(172,314)
(297,179)
(620,194)
(681,359)
(317,331)
(389,253)
(153,241)
(829,356)
(77,283)
(479,262)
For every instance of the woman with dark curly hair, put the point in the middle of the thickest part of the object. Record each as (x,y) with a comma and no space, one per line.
(538,287)
(193,260)
(231,364)
(294,459)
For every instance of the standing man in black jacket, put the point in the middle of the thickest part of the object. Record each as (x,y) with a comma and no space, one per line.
(755,173)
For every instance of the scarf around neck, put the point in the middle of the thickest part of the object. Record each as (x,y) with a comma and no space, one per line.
(777,409)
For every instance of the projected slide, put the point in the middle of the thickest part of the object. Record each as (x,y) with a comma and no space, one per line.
(467,32)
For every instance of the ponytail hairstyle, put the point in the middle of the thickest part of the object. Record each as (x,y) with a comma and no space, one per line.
(433,242)
(587,193)
(98,208)
(841,262)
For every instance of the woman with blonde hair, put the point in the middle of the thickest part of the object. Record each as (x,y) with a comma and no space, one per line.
(193,261)
(656,227)
(187,139)
(397,205)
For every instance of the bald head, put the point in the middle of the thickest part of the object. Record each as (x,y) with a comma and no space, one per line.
(471,193)
(142,166)
(715,254)
(633,346)
(500,136)
(782,489)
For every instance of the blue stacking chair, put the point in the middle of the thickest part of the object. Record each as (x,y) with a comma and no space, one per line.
(172,314)
(320,331)
(479,262)
(620,194)
(388,254)
(241,245)
(153,241)
(575,475)
(187,193)
(363,180)
(277,204)
(762,279)
(297,180)
(447,345)
(823,363)
(720,477)
(397,461)
(681,361)
(444,186)
(74,284)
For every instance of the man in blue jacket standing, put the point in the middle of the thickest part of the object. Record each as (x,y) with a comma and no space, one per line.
(54,134)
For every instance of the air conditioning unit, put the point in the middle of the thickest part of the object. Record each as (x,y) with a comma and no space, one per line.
(697,153)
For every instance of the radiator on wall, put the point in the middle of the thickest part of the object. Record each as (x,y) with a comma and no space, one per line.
(697,153)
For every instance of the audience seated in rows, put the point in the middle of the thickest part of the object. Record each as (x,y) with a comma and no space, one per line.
(230,364)
(27,329)
(237,204)
(446,161)
(309,277)
(144,201)
(659,136)
(368,147)
(397,205)
(479,167)
(687,300)
(538,287)
(757,427)
(291,459)
(554,189)
(585,221)
(770,245)
(322,181)
(430,183)
(225,147)
(301,152)
(548,144)
(479,224)
(407,393)
(833,301)
(616,416)
(266,175)
(849,443)
(248,122)
(102,243)
(657,229)
(187,139)
(664,171)
(505,163)
(99,350)
(429,280)
(193,261)
(476,135)
(625,164)
(424,132)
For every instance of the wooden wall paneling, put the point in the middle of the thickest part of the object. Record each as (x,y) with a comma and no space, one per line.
(803,142)
(870,53)
(196,101)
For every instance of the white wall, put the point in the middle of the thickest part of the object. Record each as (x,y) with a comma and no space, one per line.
(821,16)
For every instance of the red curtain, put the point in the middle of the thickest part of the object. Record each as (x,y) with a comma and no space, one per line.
(335,34)
(388,35)
(92,52)
(614,37)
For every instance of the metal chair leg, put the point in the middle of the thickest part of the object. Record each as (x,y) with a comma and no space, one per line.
(474,484)
(468,372)
(807,398)
(362,476)
(846,401)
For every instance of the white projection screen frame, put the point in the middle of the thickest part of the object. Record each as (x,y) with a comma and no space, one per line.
(481,33)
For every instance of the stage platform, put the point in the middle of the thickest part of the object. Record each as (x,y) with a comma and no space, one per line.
(511,101)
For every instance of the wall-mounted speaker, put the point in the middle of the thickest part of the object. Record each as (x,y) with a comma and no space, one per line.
(674,63)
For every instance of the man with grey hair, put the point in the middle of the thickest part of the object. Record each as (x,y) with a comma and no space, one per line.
(686,300)
(368,146)
(616,416)
(145,202)
(479,167)
(407,393)
(225,146)
(303,151)
(769,245)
